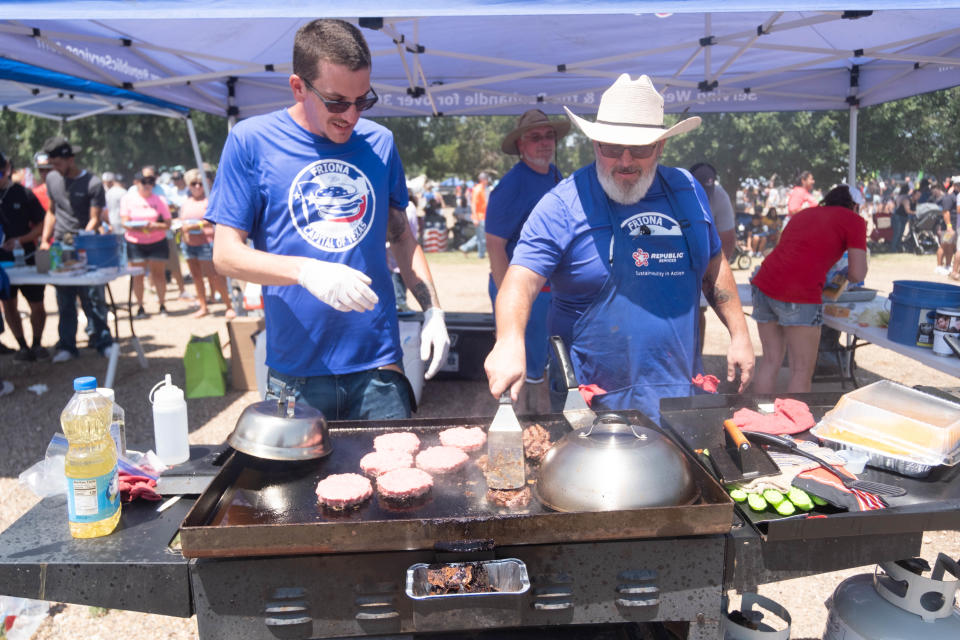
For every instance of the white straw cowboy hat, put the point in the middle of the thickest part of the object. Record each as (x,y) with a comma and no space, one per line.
(531,120)
(631,113)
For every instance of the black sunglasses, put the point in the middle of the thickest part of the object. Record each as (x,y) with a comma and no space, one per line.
(616,150)
(196,184)
(148,180)
(340,106)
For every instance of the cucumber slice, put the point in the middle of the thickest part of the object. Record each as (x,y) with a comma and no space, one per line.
(756,502)
(773,496)
(738,494)
(800,499)
(817,500)
(785,508)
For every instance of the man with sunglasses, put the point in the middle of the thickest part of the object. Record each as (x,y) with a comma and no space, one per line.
(319,191)
(627,246)
(76,201)
(534,139)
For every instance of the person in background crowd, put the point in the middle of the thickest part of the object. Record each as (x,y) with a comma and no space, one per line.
(772,222)
(772,194)
(177,189)
(76,202)
(114,197)
(146,218)
(197,245)
(903,214)
(788,287)
(478,205)
(42,162)
(534,139)
(628,246)
(757,235)
(948,236)
(319,191)
(21,220)
(720,205)
(801,196)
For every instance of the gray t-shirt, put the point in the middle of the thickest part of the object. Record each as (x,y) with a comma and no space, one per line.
(71,199)
(721,208)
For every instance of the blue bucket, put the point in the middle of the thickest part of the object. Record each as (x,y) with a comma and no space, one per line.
(102,250)
(910,302)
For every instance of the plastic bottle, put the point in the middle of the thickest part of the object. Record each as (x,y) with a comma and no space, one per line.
(56,256)
(118,428)
(93,490)
(170,422)
(19,259)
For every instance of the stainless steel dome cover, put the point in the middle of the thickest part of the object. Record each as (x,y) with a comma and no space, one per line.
(281,430)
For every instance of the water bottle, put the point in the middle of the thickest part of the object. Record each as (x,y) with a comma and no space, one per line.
(90,466)
(18,256)
(118,428)
(170,422)
(56,256)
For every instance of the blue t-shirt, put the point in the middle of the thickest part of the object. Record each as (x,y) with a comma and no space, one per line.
(299,194)
(562,244)
(514,198)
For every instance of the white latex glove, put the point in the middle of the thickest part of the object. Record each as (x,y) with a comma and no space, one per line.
(434,336)
(340,286)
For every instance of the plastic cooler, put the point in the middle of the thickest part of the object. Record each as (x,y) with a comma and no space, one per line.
(910,302)
(471,340)
(102,250)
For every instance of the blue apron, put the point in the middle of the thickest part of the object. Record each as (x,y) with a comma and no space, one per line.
(638,339)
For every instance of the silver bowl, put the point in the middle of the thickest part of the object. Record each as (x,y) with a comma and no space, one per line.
(281,430)
(615,465)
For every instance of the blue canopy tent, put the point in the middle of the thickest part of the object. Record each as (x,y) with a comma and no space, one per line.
(462,57)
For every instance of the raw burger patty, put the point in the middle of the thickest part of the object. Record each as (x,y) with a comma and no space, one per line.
(343,490)
(397,441)
(404,484)
(441,459)
(467,439)
(376,463)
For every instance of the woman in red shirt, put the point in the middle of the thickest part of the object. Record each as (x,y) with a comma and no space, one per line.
(788,287)
(146,218)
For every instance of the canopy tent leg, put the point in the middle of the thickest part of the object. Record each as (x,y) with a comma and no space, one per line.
(852,169)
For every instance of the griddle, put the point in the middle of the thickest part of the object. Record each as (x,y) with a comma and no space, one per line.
(258,508)
(930,503)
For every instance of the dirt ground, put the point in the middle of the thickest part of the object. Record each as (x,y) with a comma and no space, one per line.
(28,420)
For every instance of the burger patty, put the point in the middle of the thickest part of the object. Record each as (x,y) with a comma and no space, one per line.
(536,442)
(397,441)
(344,490)
(404,484)
(510,498)
(467,439)
(441,459)
(376,463)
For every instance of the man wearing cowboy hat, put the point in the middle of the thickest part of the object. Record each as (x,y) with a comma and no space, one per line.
(534,139)
(627,246)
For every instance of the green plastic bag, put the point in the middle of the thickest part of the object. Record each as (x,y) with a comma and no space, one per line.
(204,367)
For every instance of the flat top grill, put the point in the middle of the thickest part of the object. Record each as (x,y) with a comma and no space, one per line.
(259,507)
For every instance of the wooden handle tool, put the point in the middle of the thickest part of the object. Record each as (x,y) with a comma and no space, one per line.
(736,435)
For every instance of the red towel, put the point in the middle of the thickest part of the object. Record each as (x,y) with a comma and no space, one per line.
(133,487)
(708,383)
(791,416)
(590,390)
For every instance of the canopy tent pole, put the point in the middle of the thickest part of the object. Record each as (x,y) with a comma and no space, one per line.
(852,169)
(196,154)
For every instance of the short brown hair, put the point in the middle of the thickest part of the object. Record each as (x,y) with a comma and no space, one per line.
(334,41)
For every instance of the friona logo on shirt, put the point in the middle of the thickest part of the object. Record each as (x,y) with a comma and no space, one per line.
(651,223)
(331,204)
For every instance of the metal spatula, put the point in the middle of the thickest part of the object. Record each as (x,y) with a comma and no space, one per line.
(575,408)
(505,448)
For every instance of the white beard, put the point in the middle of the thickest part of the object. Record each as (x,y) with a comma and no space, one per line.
(626,195)
(536,162)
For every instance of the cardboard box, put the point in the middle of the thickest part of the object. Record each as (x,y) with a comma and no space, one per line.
(242,361)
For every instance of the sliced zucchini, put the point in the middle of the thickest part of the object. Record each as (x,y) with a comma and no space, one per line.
(800,498)
(738,494)
(773,496)
(785,508)
(756,502)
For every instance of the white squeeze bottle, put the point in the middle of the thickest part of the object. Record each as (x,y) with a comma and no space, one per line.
(170,422)
(93,491)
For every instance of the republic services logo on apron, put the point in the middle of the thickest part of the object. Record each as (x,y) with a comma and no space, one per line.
(331,203)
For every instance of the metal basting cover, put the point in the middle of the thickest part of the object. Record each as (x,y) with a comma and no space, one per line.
(258,508)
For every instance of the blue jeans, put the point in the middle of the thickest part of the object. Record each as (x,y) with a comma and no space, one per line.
(898,223)
(377,394)
(479,240)
(94,306)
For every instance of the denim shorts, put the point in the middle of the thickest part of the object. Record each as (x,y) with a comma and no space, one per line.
(786,314)
(202,252)
(377,394)
(153,251)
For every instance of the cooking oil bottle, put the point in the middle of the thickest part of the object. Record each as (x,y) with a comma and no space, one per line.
(93,490)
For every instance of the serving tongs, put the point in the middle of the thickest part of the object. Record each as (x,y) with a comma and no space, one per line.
(878,488)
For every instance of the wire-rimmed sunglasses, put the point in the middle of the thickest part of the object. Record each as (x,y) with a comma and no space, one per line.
(636,152)
(340,106)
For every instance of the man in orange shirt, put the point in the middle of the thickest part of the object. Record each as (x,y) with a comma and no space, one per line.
(479,216)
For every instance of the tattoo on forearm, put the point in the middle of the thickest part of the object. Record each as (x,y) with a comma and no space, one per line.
(718,296)
(425,295)
(396,224)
